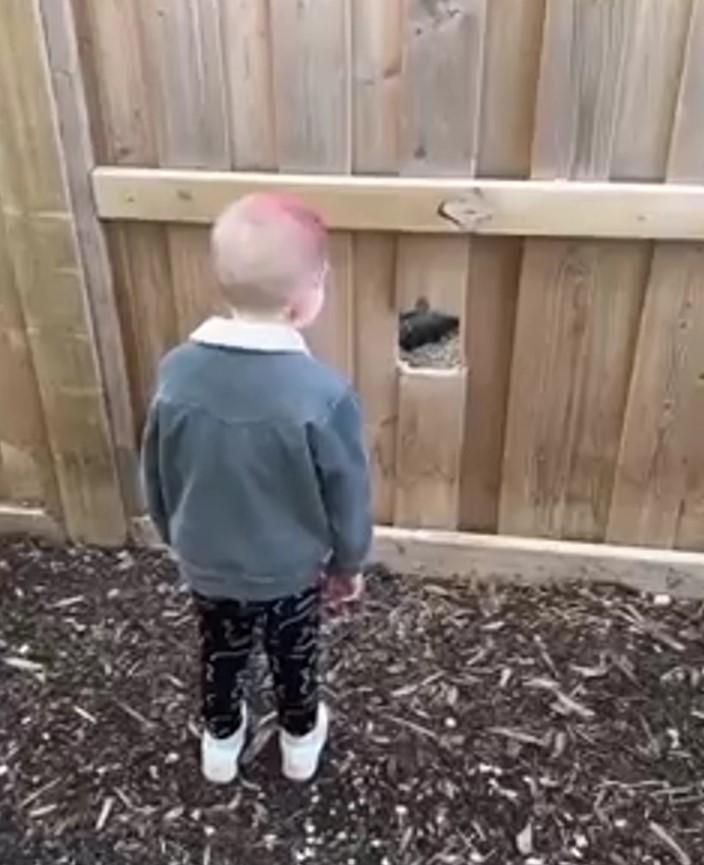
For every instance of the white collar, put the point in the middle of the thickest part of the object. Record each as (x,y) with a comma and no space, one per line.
(249,335)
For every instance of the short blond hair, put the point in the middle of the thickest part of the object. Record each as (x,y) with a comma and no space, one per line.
(266,247)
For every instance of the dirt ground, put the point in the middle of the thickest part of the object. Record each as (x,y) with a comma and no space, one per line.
(505,726)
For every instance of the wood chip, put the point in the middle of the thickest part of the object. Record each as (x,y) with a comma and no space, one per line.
(65,603)
(524,840)
(104,815)
(660,832)
(571,706)
(85,715)
(520,736)
(24,665)
(137,716)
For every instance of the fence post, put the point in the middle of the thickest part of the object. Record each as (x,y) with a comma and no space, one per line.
(43,244)
(75,128)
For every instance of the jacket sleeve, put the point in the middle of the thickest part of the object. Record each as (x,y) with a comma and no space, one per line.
(151,475)
(341,461)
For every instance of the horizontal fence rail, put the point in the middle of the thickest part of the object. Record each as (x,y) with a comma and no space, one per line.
(417,205)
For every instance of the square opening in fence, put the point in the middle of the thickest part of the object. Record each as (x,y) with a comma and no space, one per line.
(429,337)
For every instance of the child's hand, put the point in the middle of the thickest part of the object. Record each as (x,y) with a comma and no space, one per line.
(339,590)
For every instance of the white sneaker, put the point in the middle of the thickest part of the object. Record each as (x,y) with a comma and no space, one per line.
(220,757)
(301,754)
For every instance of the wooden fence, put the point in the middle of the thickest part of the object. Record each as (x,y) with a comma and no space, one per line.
(530,165)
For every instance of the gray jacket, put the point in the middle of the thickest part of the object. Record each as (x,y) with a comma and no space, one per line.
(254,465)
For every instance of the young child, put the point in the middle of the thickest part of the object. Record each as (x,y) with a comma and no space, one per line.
(256,477)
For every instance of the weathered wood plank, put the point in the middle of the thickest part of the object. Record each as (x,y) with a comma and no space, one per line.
(184,64)
(187,88)
(114,51)
(71,102)
(377,44)
(659,489)
(428,447)
(27,466)
(509,84)
(311,58)
(416,205)
(43,246)
(433,555)
(35,522)
(580,304)
(437,555)
(511,63)
(376,333)
(490,317)
(246,26)
(442,67)
(312,87)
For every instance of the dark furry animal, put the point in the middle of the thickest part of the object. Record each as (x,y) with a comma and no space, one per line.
(422,325)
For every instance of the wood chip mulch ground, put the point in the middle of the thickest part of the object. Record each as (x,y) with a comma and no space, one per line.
(498,726)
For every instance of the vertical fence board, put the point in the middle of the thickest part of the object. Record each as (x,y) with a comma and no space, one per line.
(377,42)
(312,81)
(659,490)
(431,416)
(72,107)
(115,58)
(377,46)
(246,30)
(576,325)
(376,361)
(42,241)
(186,84)
(511,62)
(27,469)
(441,89)
(184,64)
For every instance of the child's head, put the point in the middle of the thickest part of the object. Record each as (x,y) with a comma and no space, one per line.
(270,255)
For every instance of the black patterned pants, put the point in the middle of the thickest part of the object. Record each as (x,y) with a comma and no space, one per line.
(291,628)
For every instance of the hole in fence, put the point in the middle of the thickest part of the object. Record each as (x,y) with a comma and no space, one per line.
(429,337)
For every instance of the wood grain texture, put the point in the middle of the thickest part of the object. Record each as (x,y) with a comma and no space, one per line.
(35,522)
(429,554)
(184,65)
(659,490)
(246,32)
(312,51)
(511,63)
(576,328)
(196,293)
(377,31)
(114,54)
(429,441)
(441,92)
(331,337)
(686,161)
(509,83)
(27,468)
(378,45)
(183,47)
(44,250)
(490,316)
(376,334)
(580,304)
(454,207)
(60,29)
(659,457)
(312,86)
(527,561)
